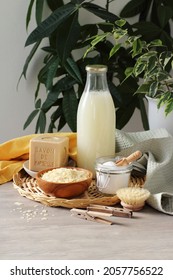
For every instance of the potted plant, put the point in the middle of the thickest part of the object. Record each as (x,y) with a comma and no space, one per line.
(152,67)
(64,40)
(63,72)
(153,20)
(153,70)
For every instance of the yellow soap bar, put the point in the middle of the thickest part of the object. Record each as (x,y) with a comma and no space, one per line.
(48,152)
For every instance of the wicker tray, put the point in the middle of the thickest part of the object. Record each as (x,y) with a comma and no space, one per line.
(27,187)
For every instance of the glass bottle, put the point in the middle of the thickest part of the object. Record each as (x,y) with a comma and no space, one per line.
(95,119)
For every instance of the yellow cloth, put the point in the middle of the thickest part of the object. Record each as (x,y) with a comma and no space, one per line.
(14,152)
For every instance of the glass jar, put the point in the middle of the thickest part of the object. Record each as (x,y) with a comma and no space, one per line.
(109,177)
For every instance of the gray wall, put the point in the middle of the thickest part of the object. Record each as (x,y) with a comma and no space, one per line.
(16,104)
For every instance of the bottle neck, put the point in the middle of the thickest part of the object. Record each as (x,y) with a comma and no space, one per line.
(96,81)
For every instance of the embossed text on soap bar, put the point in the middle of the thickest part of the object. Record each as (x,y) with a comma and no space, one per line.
(44,156)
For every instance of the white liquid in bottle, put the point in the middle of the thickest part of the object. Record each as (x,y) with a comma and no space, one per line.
(95,125)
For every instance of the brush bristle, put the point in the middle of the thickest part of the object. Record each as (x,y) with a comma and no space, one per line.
(133,196)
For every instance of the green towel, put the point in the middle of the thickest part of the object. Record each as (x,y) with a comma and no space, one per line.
(159,174)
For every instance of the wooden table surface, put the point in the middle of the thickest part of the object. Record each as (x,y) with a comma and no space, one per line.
(30,230)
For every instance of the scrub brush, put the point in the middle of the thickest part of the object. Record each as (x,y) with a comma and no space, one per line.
(133,198)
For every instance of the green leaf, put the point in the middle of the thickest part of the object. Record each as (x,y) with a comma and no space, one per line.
(37,90)
(164,15)
(123,115)
(45,28)
(128,73)
(54,4)
(147,55)
(30,118)
(41,122)
(70,105)
(51,127)
(51,99)
(119,33)
(95,40)
(163,99)
(149,30)
(28,59)
(162,75)
(67,37)
(116,94)
(62,85)
(139,67)
(166,100)
(153,89)
(156,43)
(49,50)
(121,22)
(87,31)
(146,11)
(166,39)
(29,11)
(144,89)
(51,73)
(169,3)
(100,12)
(165,58)
(61,123)
(168,109)
(137,47)
(38,104)
(73,70)
(43,73)
(98,38)
(114,49)
(152,75)
(132,8)
(56,115)
(39,10)
(152,63)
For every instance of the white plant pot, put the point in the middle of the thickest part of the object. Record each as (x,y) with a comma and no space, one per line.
(157,118)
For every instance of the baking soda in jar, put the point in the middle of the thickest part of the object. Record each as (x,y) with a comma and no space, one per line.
(109,177)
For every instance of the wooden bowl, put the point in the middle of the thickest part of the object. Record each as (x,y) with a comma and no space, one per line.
(61,189)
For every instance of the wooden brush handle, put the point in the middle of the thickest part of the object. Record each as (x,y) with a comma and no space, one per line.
(134,156)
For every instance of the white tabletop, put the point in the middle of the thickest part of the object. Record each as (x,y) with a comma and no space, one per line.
(30,230)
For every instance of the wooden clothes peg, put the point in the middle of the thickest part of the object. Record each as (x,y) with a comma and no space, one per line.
(101,214)
(115,211)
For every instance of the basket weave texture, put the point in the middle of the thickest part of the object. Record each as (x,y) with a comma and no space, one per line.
(28,187)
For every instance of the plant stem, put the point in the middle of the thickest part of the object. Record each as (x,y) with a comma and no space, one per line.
(107,5)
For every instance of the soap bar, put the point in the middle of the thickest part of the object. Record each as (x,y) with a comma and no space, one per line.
(48,152)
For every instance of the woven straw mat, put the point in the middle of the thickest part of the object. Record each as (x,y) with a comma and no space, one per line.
(28,187)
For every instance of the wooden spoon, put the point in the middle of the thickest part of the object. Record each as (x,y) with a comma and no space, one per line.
(126,160)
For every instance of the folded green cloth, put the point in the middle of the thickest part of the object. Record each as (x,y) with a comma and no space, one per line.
(158,144)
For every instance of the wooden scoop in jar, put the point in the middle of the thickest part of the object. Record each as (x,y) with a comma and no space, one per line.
(126,160)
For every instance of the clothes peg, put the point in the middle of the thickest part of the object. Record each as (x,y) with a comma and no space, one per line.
(101,214)
(115,211)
